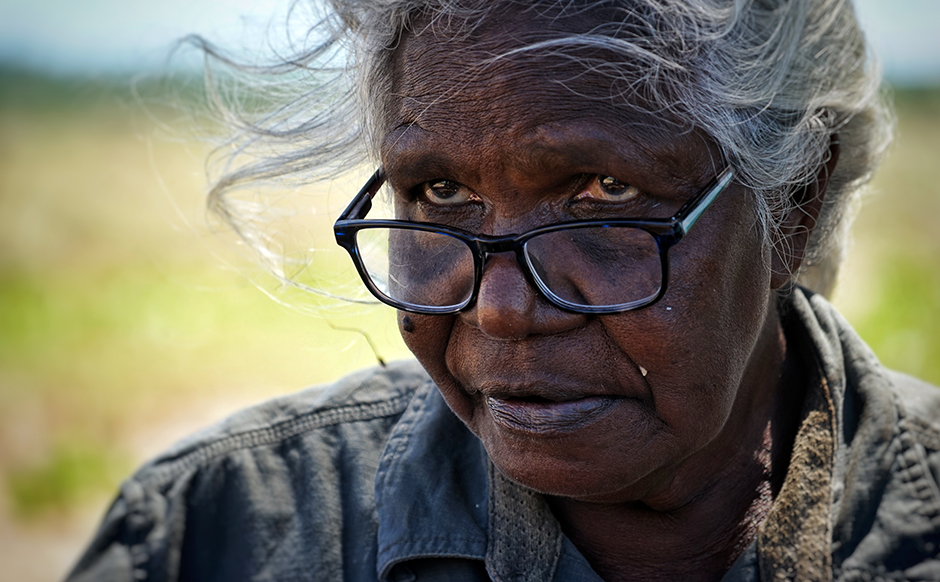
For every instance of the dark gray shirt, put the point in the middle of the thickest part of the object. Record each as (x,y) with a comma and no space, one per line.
(374,478)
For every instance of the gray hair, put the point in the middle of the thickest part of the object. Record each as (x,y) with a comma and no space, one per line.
(772,82)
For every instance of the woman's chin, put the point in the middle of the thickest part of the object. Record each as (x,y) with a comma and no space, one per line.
(571,480)
(583,452)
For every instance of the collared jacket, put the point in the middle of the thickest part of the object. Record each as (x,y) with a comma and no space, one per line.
(374,478)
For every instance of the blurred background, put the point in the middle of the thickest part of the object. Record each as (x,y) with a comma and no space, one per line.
(127,321)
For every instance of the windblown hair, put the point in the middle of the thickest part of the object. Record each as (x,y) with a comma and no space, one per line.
(772,82)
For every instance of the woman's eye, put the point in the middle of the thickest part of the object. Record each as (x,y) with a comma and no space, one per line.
(447,193)
(609,188)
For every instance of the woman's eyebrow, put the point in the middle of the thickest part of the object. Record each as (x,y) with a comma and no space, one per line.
(633,153)
(634,149)
(420,166)
(403,138)
(414,152)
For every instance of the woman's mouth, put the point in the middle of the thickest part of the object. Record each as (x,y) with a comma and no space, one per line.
(537,415)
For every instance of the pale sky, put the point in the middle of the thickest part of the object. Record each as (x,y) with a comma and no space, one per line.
(125,35)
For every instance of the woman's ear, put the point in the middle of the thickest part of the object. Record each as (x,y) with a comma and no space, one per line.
(794,231)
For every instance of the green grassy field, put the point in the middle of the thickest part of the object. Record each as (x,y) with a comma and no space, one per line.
(125,323)
(890,288)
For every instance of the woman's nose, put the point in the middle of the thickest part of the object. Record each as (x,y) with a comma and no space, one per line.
(509,307)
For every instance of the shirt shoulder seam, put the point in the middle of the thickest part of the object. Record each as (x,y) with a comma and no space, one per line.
(166,472)
(926,433)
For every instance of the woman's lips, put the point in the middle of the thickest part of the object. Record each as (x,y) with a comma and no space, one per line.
(541,416)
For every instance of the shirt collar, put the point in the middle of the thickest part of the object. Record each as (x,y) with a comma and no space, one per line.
(438,495)
(796,537)
(431,491)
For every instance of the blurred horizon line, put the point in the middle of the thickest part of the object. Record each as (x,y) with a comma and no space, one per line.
(110,38)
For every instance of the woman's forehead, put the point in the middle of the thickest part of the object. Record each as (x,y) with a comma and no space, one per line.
(504,51)
(479,92)
(542,112)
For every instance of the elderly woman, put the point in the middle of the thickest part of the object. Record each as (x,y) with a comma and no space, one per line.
(602,210)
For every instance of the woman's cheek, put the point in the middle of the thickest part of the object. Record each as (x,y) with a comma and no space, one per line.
(428,338)
(425,335)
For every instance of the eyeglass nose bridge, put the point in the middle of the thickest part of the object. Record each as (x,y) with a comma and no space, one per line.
(484,246)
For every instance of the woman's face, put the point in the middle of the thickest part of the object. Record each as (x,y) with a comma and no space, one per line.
(619,407)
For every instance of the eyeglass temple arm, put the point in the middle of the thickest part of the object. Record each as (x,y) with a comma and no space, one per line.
(362,203)
(693,209)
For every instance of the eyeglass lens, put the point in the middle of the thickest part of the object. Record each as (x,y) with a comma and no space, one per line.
(597,266)
(417,267)
(582,266)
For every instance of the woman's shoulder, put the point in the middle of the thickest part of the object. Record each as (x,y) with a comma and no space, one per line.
(921,401)
(887,522)
(294,472)
(362,397)
(918,439)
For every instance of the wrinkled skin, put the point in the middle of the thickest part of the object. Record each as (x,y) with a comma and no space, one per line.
(640,469)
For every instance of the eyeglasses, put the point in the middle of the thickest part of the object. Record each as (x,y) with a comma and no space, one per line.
(582,266)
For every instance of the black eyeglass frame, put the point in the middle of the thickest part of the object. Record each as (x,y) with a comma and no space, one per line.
(667,232)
